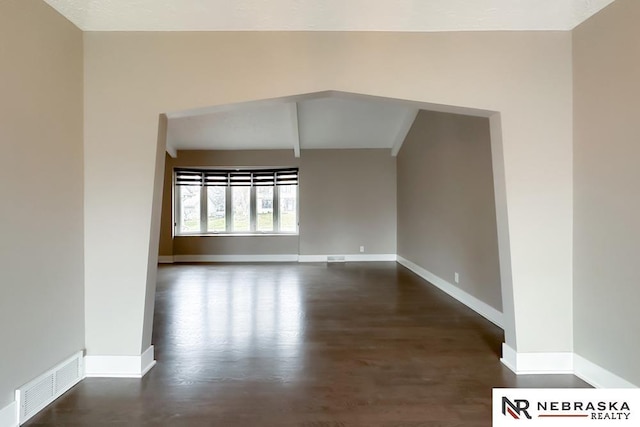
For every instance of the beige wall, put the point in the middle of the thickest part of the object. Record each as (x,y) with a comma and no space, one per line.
(446,204)
(347,200)
(130,78)
(607,201)
(235,245)
(41,185)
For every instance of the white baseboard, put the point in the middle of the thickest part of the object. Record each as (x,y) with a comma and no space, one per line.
(509,358)
(120,366)
(9,415)
(274,258)
(562,363)
(349,258)
(537,363)
(147,361)
(236,258)
(596,375)
(312,258)
(482,308)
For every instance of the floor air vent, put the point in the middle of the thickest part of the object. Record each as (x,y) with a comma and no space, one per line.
(335,258)
(35,395)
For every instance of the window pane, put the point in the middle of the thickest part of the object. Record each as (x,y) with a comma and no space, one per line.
(264,209)
(216,209)
(189,208)
(288,208)
(240,206)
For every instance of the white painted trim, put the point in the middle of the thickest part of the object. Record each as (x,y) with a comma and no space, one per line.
(509,358)
(561,363)
(403,131)
(275,258)
(349,258)
(312,258)
(236,258)
(120,366)
(371,258)
(480,307)
(545,363)
(537,363)
(165,259)
(596,375)
(172,151)
(295,131)
(9,415)
(147,361)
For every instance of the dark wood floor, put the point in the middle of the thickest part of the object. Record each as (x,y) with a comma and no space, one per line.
(304,345)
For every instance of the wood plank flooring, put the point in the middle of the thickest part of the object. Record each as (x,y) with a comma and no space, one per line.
(309,345)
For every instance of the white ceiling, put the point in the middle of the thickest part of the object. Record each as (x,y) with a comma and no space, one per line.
(318,122)
(345,123)
(327,15)
(249,128)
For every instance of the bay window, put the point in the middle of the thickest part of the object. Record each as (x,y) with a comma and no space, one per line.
(220,201)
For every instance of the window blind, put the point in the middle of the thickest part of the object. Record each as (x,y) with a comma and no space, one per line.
(236,178)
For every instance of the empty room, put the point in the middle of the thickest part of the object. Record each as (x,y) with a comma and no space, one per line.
(314,214)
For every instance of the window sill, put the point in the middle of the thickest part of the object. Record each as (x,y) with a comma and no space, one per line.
(237,235)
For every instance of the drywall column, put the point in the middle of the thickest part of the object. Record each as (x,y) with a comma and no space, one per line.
(502,221)
(525,76)
(538,180)
(154,242)
(120,194)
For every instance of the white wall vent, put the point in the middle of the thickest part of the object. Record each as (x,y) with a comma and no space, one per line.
(335,258)
(32,397)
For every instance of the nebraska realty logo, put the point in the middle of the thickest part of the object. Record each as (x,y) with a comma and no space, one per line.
(566,407)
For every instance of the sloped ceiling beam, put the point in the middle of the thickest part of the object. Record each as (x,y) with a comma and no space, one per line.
(403,130)
(295,130)
(172,151)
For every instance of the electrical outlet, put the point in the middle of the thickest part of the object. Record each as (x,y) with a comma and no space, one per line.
(361,248)
(456,277)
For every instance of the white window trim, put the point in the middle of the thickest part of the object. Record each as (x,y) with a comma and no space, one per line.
(229,214)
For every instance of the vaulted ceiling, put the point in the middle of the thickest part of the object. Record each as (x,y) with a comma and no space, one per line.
(327,15)
(319,121)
